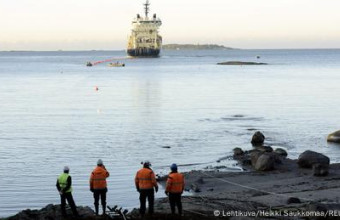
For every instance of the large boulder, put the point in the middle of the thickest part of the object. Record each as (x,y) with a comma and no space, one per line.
(257,139)
(308,158)
(254,156)
(281,152)
(262,148)
(238,152)
(265,162)
(334,137)
(243,159)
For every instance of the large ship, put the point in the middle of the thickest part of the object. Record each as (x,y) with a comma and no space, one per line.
(144,40)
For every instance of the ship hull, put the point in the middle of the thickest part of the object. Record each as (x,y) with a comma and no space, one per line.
(144,52)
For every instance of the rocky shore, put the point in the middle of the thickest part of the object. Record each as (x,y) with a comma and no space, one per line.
(287,188)
(271,186)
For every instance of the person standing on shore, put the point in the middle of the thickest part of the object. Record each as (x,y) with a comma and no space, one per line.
(64,187)
(174,189)
(145,182)
(98,185)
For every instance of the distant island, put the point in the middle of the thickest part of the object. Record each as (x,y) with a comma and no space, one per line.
(240,63)
(195,47)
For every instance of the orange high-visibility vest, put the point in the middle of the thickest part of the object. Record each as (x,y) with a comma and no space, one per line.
(98,178)
(145,179)
(175,183)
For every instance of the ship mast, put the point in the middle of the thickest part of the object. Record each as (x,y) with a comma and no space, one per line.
(146,7)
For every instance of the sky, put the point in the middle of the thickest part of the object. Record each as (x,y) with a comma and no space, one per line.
(106,24)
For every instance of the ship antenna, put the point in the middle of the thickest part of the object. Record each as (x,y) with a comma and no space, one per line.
(146,7)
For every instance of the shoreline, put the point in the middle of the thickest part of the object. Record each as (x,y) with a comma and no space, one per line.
(261,190)
(287,190)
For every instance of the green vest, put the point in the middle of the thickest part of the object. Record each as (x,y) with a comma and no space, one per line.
(62,180)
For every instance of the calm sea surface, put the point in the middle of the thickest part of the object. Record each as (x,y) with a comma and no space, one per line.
(51,115)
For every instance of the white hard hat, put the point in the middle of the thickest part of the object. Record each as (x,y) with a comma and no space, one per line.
(100,162)
(66,168)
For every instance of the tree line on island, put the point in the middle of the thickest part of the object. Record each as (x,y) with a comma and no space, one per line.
(195,47)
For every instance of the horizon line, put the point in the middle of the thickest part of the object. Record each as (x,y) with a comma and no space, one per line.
(94,50)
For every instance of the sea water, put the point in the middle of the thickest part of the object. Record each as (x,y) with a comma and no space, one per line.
(180,108)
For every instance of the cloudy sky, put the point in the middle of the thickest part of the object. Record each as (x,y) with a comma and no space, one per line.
(105,24)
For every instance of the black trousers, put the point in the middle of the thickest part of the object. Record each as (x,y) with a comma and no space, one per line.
(99,193)
(143,194)
(175,200)
(70,201)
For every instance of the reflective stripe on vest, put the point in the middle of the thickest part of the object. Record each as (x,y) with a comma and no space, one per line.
(145,179)
(62,180)
(98,178)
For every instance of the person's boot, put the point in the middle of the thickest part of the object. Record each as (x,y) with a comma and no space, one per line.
(96,207)
(104,209)
(63,214)
(75,212)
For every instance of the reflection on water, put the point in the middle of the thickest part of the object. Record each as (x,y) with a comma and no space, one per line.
(147,97)
(179,108)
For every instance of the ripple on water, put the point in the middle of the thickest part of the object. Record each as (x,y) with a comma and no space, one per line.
(49,120)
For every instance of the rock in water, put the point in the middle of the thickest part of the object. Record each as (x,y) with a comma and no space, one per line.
(334,137)
(257,139)
(308,158)
(265,162)
(238,152)
(281,152)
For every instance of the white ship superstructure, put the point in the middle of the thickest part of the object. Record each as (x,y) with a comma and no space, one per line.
(144,39)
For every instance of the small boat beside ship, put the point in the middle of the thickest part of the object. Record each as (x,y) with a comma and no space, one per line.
(112,64)
(116,64)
